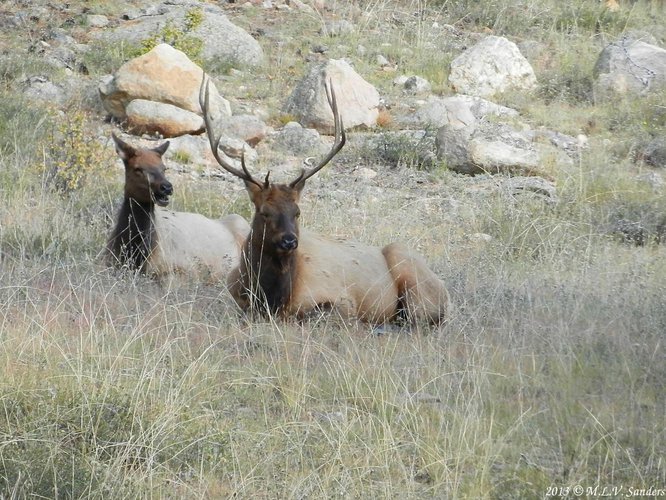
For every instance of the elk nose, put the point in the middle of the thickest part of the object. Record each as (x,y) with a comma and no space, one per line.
(289,242)
(166,188)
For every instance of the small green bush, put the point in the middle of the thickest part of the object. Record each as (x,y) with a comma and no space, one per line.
(177,37)
(401,149)
(73,155)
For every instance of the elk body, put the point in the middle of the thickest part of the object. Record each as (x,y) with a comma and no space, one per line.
(290,273)
(161,242)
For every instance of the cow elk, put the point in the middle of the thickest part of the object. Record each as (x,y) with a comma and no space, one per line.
(286,272)
(161,242)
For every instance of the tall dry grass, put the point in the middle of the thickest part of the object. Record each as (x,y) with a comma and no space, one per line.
(550,372)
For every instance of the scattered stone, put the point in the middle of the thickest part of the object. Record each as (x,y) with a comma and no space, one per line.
(61,57)
(42,89)
(417,85)
(480,238)
(163,75)
(248,128)
(365,173)
(149,117)
(493,65)
(237,148)
(568,144)
(195,149)
(459,111)
(222,41)
(496,156)
(298,141)
(382,61)
(629,66)
(487,147)
(538,186)
(358,101)
(399,81)
(302,6)
(97,21)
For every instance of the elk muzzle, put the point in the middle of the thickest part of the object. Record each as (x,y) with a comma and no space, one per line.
(162,193)
(288,243)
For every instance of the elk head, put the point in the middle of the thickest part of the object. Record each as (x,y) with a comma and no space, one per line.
(275,222)
(145,181)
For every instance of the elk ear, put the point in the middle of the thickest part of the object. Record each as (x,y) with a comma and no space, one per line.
(161,149)
(254,190)
(124,150)
(299,183)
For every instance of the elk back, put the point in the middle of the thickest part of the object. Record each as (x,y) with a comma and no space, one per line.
(196,246)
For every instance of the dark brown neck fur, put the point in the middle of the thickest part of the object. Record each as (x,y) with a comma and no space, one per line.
(269,275)
(133,238)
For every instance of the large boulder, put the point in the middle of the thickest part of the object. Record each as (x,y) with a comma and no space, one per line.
(164,75)
(488,147)
(193,150)
(493,65)
(295,140)
(629,66)
(358,101)
(39,88)
(459,109)
(222,42)
(248,128)
(165,119)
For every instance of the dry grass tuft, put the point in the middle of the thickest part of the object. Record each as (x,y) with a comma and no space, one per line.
(550,373)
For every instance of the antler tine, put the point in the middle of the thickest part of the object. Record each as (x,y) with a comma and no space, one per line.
(204,102)
(340,137)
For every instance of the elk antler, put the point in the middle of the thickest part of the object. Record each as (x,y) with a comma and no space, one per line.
(204,102)
(340,138)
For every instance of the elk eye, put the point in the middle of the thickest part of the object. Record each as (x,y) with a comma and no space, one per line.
(298,214)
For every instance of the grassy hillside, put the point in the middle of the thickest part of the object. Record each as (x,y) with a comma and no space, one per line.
(550,374)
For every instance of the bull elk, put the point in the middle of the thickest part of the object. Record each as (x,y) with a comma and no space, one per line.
(162,242)
(291,273)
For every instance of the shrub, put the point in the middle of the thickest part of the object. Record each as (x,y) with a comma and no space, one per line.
(73,154)
(179,38)
(412,149)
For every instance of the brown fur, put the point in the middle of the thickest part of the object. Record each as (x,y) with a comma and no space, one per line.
(150,239)
(358,281)
(285,273)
